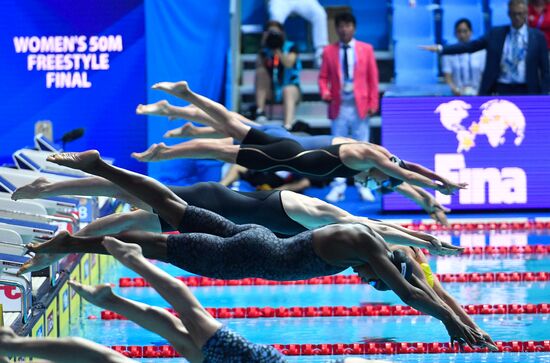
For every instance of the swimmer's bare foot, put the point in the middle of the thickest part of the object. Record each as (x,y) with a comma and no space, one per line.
(39,262)
(32,190)
(186,130)
(179,89)
(85,161)
(151,154)
(100,295)
(160,108)
(46,253)
(54,245)
(127,253)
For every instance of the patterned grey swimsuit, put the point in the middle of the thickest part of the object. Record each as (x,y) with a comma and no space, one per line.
(226,346)
(215,247)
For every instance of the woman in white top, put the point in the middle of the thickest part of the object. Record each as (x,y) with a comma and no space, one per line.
(463,71)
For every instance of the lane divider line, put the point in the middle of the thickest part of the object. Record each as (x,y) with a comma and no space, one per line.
(255,312)
(368,348)
(473,277)
(478,225)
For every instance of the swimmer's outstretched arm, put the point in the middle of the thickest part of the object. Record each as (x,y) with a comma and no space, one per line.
(375,255)
(425,200)
(433,207)
(314,213)
(152,318)
(446,298)
(199,323)
(396,234)
(379,161)
(92,186)
(451,186)
(59,350)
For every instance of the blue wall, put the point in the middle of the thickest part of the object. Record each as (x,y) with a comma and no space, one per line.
(184,43)
(166,40)
(106,109)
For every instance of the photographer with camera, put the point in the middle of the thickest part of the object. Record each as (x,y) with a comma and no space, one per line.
(277,73)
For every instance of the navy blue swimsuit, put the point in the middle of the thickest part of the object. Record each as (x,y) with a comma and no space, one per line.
(226,346)
(215,247)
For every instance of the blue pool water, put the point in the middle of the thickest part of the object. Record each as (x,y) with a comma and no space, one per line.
(354,329)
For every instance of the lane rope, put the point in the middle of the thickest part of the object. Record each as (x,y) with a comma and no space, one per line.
(368,348)
(255,312)
(472,277)
(479,226)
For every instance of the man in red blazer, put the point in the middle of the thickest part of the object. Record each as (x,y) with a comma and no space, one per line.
(348,82)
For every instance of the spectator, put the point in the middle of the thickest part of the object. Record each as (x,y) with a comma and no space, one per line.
(463,71)
(539,17)
(312,11)
(277,73)
(348,82)
(517,56)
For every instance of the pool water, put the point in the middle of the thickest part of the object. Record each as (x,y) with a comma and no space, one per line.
(354,329)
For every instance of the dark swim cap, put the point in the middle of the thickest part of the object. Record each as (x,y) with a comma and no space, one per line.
(402,262)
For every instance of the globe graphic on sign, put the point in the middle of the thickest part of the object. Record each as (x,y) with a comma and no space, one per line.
(497,117)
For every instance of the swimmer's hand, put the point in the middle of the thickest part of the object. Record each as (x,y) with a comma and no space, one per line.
(438,212)
(441,248)
(440,217)
(449,188)
(463,334)
(489,343)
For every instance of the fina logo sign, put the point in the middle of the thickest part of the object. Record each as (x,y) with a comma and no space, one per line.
(506,185)
(496,118)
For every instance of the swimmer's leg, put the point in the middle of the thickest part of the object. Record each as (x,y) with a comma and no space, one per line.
(188,130)
(154,246)
(167,204)
(137,220)
(221,118)
(219,149)
(152,318)
(111,224)
(200,324)
(59,350)
(92,186)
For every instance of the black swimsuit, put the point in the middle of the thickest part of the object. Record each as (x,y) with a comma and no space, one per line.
(262,207)
(260,151)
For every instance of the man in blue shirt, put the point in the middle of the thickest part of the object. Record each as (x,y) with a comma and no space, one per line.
(517,56)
